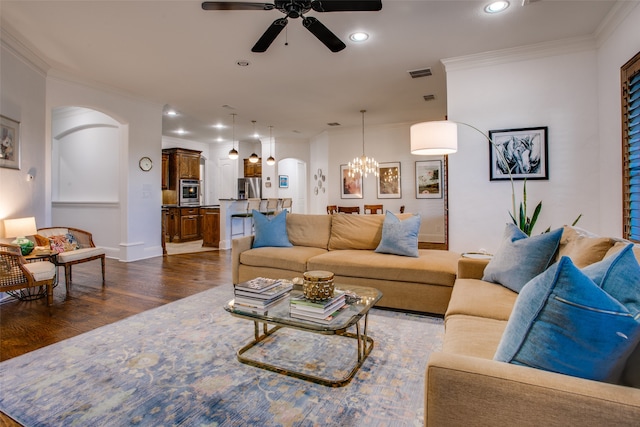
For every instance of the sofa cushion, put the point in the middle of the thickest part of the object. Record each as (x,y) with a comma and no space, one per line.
(564,322)
(79,254)
(355,231)
(432,266)
(270,230)
(399,237)
(482,299)
(286,258)
(583,247)
(472,336)
(309,230)
(520,258)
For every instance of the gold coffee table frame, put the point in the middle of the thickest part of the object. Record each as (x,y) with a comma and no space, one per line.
(280,317)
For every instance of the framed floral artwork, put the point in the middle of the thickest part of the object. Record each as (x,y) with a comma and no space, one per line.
(429,179)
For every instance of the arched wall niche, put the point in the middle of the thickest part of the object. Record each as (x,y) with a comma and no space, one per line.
(87,145)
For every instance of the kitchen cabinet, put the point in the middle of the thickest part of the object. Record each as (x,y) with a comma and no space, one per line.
(210,227)
(183,224)
(252,170)
(165,171)
(181,164)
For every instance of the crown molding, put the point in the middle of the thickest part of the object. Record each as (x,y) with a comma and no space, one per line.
(522,53)
(10,41)
(614,18)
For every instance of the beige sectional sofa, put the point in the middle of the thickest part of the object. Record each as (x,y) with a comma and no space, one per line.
(465,387)
(344,245)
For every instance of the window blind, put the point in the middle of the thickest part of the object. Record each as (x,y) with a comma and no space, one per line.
(631,148)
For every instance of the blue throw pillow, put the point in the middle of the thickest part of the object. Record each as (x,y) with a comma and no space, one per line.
(270,230)
(399,237)
(520,258)
(564,322)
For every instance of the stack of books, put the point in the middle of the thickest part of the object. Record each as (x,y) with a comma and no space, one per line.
(318,311)
(259,294)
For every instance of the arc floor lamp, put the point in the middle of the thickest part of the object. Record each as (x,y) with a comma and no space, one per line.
(441,137)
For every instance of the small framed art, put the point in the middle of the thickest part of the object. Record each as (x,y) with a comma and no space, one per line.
(389,181)
(9,143)
(429,179)
(283,181)
(350,187)
(522,151)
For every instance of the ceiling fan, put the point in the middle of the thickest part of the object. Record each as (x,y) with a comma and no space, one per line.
(296,9)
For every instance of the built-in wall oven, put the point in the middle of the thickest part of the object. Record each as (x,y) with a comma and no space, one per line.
(189,192)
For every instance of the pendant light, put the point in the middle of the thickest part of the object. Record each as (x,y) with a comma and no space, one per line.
(363,165)
(271,160)
(253,158)
(233,153)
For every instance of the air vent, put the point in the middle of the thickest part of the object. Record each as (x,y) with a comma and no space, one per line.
(429,97)
(333,124)
(424,72)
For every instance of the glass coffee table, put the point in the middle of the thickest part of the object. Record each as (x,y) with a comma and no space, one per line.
(359,301)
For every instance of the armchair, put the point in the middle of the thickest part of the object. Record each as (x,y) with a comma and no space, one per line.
(16,273)
(86,251)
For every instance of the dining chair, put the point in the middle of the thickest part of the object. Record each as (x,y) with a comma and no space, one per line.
(331,209)
(349,209)
(373,209)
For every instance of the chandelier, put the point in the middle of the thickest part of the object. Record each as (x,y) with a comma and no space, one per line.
(363,165)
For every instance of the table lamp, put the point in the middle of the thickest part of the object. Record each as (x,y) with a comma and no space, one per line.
(19,228)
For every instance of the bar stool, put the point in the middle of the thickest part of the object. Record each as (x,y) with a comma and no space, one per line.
(250,205)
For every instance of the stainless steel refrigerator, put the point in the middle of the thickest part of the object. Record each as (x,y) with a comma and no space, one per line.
(249,188)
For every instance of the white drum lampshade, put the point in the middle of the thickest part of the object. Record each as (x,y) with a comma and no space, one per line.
(434,138)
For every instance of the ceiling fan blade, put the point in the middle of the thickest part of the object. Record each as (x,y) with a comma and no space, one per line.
(346,5)
(323,34)
(236,5)
(270,35)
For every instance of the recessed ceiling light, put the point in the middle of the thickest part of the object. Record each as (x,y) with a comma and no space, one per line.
(358,36)
(219,126)
(181,131)
(171,113)
(496,6)
(243,63)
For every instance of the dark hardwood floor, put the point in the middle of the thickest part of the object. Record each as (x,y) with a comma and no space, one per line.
(130,288)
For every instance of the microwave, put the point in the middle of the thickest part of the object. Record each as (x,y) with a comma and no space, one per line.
(189,192)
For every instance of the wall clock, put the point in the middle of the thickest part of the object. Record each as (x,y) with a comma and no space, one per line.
(145,164)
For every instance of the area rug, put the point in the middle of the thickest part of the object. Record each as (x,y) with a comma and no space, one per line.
(176,365)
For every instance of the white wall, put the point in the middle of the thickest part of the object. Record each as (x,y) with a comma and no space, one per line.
(386,143)
(22,98)
(131,229)
(616,48)
(548,85)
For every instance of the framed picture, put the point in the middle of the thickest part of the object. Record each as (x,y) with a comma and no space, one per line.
(350,187)
(389,181)
(523,151)
(283,181)
(429,179)
(9,143)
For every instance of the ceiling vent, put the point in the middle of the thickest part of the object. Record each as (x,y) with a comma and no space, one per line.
(333,124)
(429,97)
(424,72)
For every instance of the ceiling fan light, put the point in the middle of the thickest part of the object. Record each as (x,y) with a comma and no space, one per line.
(271,161)
(254,158)
(233,154)
(496,6)
(358,36)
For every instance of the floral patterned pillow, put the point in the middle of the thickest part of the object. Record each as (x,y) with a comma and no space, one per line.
(63,243)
